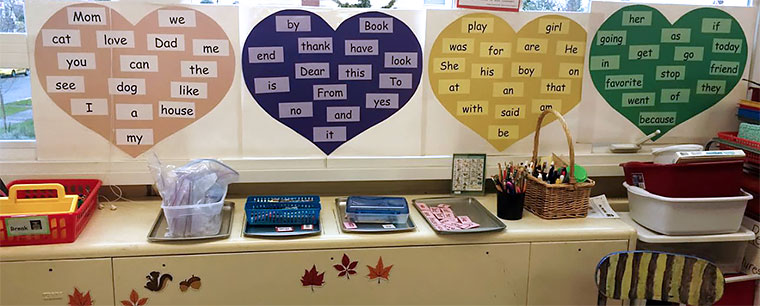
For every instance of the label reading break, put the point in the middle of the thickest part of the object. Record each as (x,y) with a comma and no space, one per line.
(37,225)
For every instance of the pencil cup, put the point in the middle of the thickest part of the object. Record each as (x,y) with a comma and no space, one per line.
(510,206)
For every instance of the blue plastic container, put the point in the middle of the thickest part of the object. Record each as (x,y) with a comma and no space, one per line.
(282,210)
(366,209)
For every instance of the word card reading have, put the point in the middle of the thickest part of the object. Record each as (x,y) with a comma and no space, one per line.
(134,84)
(331,85)
(659,75)
(497,82)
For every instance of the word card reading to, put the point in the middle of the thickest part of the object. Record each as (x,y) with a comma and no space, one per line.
(657,74)
(497,82)
(331,85)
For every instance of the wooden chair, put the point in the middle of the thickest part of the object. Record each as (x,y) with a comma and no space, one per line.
(659,276)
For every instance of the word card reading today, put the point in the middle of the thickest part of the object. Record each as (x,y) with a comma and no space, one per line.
(134,84)
(331,85)
(659,75)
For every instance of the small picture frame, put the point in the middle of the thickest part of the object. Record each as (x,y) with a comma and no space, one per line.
(468,174)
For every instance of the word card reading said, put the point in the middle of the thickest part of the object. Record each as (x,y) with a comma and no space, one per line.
(331,85)
(497,82)
(659,75)
(134,84)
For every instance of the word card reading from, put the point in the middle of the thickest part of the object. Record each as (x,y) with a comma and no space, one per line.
(658,74)
(162,73)
(497,82)
(331,85)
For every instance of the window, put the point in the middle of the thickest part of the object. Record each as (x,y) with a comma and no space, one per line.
(16,121)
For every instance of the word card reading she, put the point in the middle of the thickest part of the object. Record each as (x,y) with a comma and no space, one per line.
(658,75)
(331,85)
(497,82)
(134,84)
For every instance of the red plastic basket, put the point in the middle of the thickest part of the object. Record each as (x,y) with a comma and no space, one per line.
(731,137)
(64,228)
(692,180)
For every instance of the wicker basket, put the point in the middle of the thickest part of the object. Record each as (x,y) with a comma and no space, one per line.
(557,201)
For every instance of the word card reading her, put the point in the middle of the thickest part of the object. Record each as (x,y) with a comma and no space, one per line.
(331,85)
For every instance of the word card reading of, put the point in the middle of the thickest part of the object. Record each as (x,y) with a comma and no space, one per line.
(134,84)
(497,82)
(331,85)
(657,74)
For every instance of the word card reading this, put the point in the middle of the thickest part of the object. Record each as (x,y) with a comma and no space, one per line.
(495,80)
(329,85)
(657,74)
(163,73)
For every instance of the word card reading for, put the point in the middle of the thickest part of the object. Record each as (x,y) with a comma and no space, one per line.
(497,82)
(134,84)
(658,75)
(331,85)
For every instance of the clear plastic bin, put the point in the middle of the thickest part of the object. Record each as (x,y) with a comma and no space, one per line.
(194,220)
(364,209)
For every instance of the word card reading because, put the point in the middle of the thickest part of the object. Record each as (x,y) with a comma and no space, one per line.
(659,75)
(331,85)
(497,82)
(162,74)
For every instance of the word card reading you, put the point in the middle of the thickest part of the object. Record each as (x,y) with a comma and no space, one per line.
(658,75)
(134,84)
(331,85)
(497,82)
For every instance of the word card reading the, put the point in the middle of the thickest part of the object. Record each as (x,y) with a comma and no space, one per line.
(198,69)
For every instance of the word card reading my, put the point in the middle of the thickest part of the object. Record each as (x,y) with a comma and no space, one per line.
(134,84)
(331,85)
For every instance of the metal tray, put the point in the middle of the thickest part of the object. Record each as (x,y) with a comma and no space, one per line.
(464,207)
(159,227)
(270,231)
(340,211)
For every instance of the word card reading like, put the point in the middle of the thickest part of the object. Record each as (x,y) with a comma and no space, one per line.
(331,85)
(497,82)
(134,84)
(658,75)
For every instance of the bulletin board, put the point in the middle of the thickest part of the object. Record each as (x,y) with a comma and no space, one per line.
(113,81)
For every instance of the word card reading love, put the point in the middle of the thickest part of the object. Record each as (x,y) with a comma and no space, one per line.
(658,75)
(134,84)
(331,85)
(497,82)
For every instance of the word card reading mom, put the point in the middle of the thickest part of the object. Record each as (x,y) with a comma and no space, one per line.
(331,85)
(134,84)
(659,75)
(497,82)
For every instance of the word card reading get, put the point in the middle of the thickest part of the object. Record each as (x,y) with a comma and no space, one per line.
(497,82)
(657,74)
(331,85)
(161,74)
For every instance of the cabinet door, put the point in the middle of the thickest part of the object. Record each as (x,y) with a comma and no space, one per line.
(466,274)
(562,273)
(52,282)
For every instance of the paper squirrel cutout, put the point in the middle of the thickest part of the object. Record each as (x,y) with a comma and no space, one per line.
(156,283)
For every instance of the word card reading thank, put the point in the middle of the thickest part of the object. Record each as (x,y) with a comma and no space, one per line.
(134,84)
(331,85)
(497,82)
(658,75)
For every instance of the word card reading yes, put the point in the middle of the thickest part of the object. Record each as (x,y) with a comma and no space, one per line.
(331,85)
(659,75)
(497,82)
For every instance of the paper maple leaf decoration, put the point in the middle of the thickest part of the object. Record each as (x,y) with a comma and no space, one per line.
(379,271)
(134,300)
(77,299)
(312,278)
(346,267)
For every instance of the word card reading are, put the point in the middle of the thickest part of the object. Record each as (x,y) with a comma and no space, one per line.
(331,85)
(134,84)
(658,75)
(497,82)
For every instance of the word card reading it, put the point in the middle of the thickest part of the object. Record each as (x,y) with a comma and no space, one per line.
(497,82)
(164,71)
(331,85)
(658,75)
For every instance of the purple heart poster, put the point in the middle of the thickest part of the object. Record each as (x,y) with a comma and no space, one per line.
(330,85)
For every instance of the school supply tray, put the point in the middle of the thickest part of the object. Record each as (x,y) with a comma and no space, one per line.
(347,225)
(557,201)
(282,210)
(161,227)
(61,227)
(729,141)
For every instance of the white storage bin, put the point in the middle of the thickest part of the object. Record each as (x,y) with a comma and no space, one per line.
(686,216)
(194,220)
(724,250)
